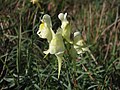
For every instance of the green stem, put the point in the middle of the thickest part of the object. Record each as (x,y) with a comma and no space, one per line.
(74,66)
(18,51)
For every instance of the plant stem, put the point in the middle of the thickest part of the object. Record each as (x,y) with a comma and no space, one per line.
(18,51)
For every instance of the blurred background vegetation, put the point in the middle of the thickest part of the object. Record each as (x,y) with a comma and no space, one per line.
(22,65)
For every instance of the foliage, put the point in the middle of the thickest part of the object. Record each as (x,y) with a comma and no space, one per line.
(22,62)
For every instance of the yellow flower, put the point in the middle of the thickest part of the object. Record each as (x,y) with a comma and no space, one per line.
(66,28)
(56,46)
(45,28)
(34,1)
(63,18)
(79,44)
(80,47)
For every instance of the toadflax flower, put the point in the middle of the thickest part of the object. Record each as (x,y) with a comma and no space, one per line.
(66,28)
(45,28)
(79,44)
(56,46)
(34,1)
(55,40)
(80,47)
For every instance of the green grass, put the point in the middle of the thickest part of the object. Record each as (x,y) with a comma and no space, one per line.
(22,65)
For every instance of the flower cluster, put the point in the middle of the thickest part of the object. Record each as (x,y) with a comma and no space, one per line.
(55,40)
